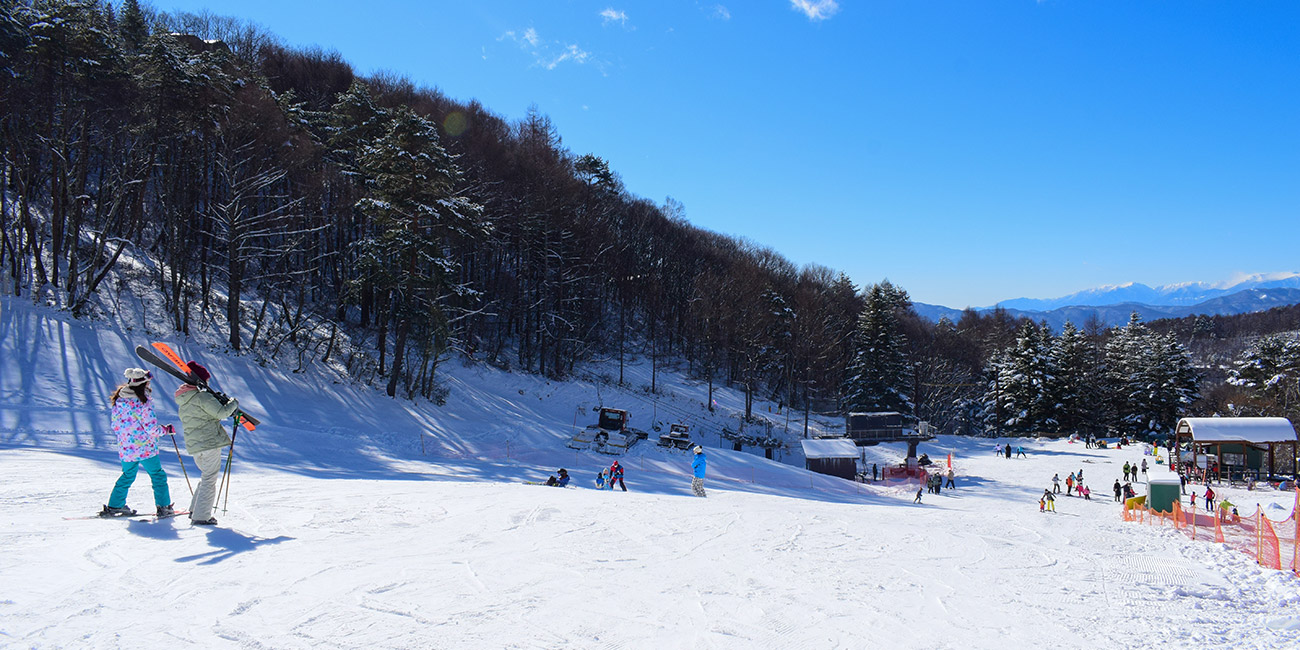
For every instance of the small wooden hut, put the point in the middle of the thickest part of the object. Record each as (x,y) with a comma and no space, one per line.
(832,456)
(1237,448)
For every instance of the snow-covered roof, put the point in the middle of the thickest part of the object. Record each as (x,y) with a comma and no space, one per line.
(830,448)
(1253,430)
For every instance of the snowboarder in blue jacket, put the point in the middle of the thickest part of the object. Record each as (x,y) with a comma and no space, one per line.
(698,466)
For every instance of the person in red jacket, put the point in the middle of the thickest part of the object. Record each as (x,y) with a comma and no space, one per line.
(616,476)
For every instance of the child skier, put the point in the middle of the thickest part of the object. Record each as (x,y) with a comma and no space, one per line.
(137,435)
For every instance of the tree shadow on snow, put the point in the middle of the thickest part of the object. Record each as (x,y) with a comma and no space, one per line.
(229,543)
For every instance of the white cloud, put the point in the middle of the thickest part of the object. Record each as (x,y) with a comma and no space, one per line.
(569,53)
(721,12)
(612,15)
(816,9)
(545,54)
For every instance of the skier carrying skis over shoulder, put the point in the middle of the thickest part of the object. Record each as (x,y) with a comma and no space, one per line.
(205,439)
(137,436)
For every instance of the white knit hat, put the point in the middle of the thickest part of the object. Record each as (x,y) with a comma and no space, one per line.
(699,449)
(137,376)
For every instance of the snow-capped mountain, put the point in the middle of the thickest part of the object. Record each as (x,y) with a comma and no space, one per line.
(1112,314)
(1171,295)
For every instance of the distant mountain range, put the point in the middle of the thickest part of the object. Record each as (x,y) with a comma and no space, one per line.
(1113,304)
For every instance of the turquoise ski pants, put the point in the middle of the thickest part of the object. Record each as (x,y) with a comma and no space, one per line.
(152,465)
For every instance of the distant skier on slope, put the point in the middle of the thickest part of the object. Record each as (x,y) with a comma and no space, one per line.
(1051,500)
(616,476)
(561,481)
(1118,490)
(205,439)
(698,466)
(137,436)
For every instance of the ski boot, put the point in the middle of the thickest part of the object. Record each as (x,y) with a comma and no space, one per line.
(117,512)
(166,511)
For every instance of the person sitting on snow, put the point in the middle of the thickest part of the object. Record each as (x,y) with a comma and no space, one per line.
(562,481)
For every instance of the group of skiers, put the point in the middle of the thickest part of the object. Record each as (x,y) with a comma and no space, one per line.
(606,479)
(1132,469)
(1005,450)
(1073,487)
(137,430)
(934,483)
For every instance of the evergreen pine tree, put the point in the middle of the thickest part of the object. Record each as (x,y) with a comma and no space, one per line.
(880,374)
(1022,381)
(417,216)
(1072,376)
(132,26)
(1268,371)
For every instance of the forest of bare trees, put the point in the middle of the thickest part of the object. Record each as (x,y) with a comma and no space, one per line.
(277,196)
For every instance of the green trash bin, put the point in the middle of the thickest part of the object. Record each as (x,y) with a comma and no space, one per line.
(1163,492)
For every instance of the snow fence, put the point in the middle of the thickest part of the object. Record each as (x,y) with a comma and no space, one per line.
(1271,543)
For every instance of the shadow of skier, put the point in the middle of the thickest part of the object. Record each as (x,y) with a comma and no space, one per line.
(230,543)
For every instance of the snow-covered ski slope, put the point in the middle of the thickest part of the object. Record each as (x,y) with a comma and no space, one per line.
(342,532)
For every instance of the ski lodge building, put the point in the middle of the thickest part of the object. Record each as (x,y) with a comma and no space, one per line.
(1237,448)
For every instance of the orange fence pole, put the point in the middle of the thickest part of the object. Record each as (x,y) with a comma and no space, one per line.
(1270,553)
(1295,541)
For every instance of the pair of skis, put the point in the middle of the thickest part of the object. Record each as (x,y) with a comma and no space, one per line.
(180,370)
(139,516)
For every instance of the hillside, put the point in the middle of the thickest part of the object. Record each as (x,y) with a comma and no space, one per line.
(356,520)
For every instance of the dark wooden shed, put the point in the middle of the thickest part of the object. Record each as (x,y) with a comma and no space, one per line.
(831,456)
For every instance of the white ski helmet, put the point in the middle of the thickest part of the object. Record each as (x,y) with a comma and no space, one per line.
(699,449)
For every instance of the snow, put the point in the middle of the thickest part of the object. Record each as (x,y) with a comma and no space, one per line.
(829,448)
(1252,430)
(357,521)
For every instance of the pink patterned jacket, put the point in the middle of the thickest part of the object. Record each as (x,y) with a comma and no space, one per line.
(136,427)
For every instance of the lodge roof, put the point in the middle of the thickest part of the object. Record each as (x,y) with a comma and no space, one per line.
(1251,430)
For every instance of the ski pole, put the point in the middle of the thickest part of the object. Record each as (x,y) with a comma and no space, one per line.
(172,432)
(230,460)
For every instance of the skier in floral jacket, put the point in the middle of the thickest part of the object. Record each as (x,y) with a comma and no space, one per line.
(137,444)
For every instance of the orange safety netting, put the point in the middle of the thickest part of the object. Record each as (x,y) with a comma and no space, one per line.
(1267,540)
(1269,554)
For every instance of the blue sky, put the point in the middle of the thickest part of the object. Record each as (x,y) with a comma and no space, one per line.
(969,151)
